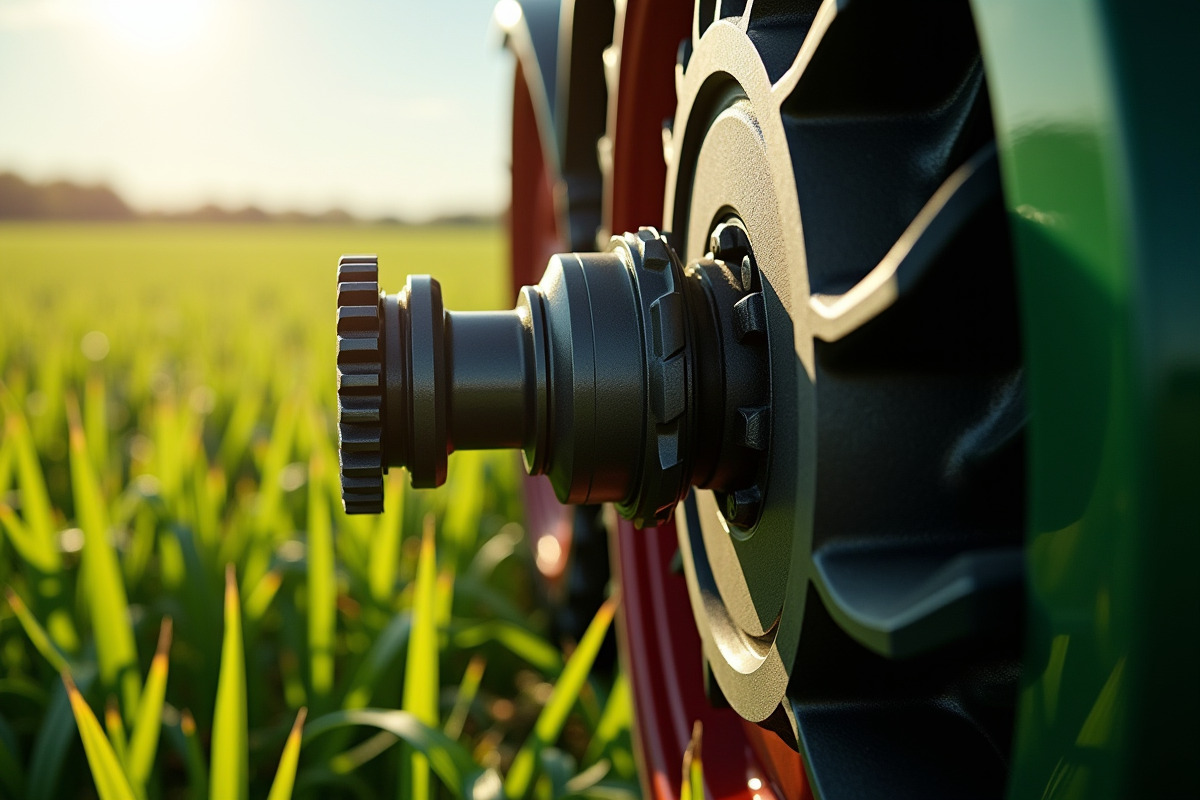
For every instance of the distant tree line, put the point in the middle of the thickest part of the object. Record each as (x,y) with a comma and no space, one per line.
(64,200)
(20,199)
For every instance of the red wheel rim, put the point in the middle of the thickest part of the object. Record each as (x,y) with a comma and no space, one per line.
(660,646)
(661,652)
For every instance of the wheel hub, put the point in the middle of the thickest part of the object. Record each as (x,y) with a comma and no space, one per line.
(733,168)
(623,376)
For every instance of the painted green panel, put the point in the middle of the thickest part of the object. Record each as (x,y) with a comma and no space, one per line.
(1096,111)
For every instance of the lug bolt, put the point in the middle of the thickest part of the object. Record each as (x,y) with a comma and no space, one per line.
(748,273)
(728,242)
(741,506)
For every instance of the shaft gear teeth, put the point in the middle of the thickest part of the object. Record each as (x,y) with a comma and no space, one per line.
(360,384)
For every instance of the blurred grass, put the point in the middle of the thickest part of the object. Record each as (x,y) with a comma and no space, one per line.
(229,777)
(171,542)
(111,783)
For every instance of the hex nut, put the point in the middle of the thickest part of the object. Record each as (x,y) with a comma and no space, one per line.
(741,506)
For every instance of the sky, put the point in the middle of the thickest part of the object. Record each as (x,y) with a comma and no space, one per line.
(383,108)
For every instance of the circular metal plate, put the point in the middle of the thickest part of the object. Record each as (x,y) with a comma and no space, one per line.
(747,588)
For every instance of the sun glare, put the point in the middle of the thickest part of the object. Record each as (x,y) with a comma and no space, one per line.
(158,25)
(507,14)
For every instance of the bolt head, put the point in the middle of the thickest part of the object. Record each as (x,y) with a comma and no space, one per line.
(742,506)
(748,273)
(729,243)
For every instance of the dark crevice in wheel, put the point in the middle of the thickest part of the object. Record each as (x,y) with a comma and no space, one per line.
(933,726)
(873,615)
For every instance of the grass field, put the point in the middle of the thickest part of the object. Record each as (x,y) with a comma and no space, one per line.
(189,610)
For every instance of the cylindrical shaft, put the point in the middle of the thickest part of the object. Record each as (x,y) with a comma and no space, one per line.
(488,387)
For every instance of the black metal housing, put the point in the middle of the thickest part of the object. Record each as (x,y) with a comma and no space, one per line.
(623,376)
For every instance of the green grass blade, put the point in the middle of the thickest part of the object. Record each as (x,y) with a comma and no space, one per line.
(587,779)
(147,723)
(523,643)
(103,582)
(20,689)
(465,503)
(193,755)
(421,681)
(230,769)
(167,433)
(111,783)
(34,535)
(36,633)
(467,690)
(346,762)
(550,722)
(285,774)
(385,546)
(115,727)
(53,742)
(28,545)
(35,499)
(260,597)
(449,760)
(606,790)
(322,588)
(692,787)
(6,464)
(143,536)
(241,426)
(378,661)
(207,485)
(617,718)
(496,550)
(275,459)
(95,421)
(443,597)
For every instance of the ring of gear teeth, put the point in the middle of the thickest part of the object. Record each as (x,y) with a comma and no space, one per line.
(360,384)
(660,293)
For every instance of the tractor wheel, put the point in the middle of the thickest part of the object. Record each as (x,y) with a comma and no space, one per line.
(969,550)
(864,615)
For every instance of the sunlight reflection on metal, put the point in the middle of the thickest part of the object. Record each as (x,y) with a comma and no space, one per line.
(507,14)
